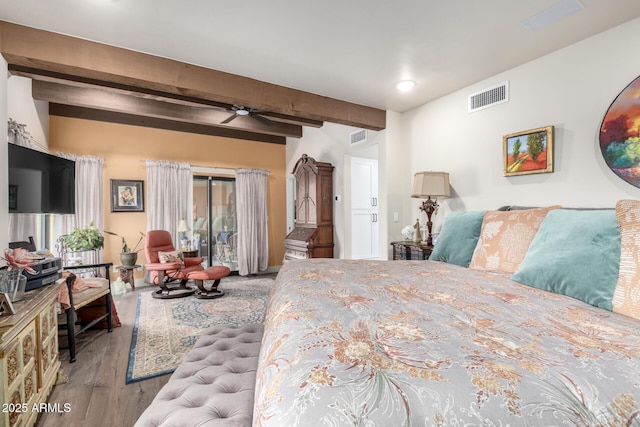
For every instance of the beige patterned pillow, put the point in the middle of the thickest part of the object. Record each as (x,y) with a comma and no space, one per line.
(171,257)
(626,297)
(505,238)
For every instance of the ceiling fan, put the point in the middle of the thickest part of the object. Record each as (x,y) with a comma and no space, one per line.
(239,110)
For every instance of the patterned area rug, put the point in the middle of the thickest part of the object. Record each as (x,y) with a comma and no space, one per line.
(166,329)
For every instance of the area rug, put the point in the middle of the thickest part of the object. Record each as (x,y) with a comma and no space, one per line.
(166,329)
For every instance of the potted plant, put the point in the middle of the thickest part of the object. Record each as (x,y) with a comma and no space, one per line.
(128,256)
(84,239)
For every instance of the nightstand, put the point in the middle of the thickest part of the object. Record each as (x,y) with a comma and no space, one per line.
(409,250)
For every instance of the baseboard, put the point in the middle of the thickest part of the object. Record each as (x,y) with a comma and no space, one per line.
(273,269)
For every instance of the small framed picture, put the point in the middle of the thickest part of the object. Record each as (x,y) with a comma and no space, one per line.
(127,195)
(6,307)
(528,152)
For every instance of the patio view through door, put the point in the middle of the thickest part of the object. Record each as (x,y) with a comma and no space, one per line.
(214,220)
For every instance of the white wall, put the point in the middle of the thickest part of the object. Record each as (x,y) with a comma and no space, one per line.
(4,175)
(28,111)
(17,103)
(331,144)
(570,89)
(394,183)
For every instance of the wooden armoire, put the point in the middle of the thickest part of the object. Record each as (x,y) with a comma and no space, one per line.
(313,235)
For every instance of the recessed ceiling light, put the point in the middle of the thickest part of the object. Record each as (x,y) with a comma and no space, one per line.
(405,85)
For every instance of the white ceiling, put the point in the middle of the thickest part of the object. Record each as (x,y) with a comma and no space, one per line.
(353,50)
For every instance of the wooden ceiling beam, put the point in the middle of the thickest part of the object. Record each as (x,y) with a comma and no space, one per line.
(98,99)
(150,122)
(131,91)
(111,66)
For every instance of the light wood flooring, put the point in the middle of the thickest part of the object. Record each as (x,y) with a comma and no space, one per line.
(96,391)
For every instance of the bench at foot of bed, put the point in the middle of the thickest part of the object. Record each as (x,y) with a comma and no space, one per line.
(215,381)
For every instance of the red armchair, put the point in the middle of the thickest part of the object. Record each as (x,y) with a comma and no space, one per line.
(162,273)
(165,267)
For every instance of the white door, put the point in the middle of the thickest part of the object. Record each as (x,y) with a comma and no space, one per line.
(364,208)
(364,234)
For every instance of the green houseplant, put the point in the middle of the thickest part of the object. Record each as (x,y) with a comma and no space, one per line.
(84,239)
(128,256)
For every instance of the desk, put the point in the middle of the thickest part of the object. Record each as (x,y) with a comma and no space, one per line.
(410,250)
(126,273)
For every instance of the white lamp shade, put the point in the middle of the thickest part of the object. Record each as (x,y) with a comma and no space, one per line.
(431,184)
(182,226)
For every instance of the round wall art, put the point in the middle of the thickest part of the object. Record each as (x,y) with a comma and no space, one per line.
(620,134)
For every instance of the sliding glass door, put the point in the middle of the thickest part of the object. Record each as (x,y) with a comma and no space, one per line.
(215,224)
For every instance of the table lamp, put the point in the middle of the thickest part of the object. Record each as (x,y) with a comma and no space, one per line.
(182,229)
(427,185)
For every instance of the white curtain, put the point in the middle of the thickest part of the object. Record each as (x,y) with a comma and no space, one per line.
(22,226)
(89,206)
(251,202)
(169,196)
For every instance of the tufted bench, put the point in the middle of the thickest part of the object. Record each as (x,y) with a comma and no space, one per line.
(214,384)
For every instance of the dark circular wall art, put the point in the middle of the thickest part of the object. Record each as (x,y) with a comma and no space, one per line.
(620,134)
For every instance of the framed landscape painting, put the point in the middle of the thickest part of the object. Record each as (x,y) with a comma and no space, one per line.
(528,152)
(127,196)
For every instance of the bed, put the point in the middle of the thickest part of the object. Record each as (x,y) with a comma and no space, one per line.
(457,342)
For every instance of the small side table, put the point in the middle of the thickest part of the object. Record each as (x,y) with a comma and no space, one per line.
(189,254)
(409,250)
(126,273)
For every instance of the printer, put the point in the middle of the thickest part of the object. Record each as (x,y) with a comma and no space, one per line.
(47,270)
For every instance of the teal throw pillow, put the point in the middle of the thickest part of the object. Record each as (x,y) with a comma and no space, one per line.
(458,238)
(575,253)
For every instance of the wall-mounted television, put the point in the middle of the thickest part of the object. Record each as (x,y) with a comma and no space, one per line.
(40,182)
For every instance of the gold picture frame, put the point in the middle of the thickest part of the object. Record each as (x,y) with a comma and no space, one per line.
(528,152)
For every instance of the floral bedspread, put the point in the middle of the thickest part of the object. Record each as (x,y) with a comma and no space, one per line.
(402,343)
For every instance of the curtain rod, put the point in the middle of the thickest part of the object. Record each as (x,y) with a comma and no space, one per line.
(221,168)
(193,166)
(211,168)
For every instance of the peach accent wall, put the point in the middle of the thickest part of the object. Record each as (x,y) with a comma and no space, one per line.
(124,146)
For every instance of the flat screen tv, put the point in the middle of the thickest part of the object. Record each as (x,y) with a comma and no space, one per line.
(40,182)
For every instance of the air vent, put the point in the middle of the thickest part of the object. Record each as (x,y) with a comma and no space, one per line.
(358,136)
(489,97)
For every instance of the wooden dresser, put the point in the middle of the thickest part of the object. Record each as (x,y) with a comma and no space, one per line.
(313,235)
(28,356)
